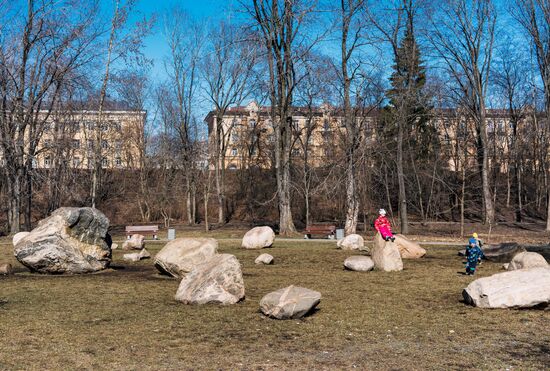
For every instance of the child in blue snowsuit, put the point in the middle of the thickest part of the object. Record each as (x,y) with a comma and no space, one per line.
(473,255)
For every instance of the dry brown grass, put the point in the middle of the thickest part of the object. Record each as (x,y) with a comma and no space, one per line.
(126,318)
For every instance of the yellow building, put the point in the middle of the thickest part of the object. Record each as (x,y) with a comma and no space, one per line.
(73,136)
(248,135)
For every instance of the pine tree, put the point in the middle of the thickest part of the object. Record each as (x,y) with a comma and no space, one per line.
(408,110)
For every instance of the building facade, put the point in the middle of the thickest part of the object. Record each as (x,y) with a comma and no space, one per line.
(246,135)
(76,138)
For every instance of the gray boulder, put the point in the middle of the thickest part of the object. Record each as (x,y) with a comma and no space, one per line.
(523,288)
(290,302)
(135,242)
(525,260)
(258,238)
(219,281)
(264,259)
(385,255)
(351,242)
(182,255)
(359,263)
(137,256)
(71,240)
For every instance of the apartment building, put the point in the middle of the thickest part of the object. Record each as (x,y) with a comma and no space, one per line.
(248,135)
(72,138)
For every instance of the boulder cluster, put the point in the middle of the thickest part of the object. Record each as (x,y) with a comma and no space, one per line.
(135,242)
(75,241)
(525,284)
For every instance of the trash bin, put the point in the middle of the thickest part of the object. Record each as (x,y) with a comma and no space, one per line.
(339,234)
(171,234)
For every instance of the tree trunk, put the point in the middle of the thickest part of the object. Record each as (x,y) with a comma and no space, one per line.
(351,198)
(401,181)
(487,197)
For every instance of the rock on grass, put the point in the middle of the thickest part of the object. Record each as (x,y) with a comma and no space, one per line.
(522,288)
(219,281)
(290,303)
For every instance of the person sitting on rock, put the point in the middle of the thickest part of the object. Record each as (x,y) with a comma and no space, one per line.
(473,255)
(383,226)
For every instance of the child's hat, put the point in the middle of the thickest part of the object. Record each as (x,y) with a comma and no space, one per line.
(474,235)
(382,212)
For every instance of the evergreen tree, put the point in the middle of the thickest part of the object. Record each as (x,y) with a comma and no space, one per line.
(406,117)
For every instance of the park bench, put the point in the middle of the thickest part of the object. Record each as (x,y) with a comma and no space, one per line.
(321,229)
(142,229)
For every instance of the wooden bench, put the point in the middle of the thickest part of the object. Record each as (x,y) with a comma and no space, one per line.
(142,229)
(321,229)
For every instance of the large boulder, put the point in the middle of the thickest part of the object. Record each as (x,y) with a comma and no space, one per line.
(135,242)
(137,256)
(290,302)
(408,249)
(385,255)
(502,252)
(523,288)
(359,263)
(180,256)
(71,240)
(258,238)
(219,280)
(525,260)
(18,237)
(351,242)
(264,259)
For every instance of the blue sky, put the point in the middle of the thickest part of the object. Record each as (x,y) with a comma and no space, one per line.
(156,46)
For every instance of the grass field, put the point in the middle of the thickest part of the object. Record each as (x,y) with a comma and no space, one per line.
(127,318)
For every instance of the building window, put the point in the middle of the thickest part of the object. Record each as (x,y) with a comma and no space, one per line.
(76,162)
(234,138)
(104,162)
(47,161)
(34,163)
(104,126)
(118,162)
(90,144)
(118,145)
(90,125)
(47,143)
(104,144)
(76,143)
(232,167)
(252,123)
(234,152)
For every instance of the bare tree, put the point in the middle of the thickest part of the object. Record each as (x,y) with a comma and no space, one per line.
(182,67)
(43,45)
(534,16)
(227,71)
(123,42)
(462,33)
(279,23)
(351,27)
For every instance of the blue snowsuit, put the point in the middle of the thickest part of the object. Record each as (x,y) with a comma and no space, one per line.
(473,255)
